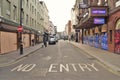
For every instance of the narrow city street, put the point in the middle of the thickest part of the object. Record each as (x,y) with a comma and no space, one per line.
(61,61)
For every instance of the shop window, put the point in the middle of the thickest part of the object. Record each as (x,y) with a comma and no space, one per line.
(110,36)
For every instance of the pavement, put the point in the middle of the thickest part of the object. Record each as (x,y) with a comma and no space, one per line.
(109,59)
(13,56)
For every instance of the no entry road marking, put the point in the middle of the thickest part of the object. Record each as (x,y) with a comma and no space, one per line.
(59,67)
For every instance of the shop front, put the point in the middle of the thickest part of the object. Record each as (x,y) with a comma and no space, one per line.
(94,27)
(8,38)
(114,31)
(117,37)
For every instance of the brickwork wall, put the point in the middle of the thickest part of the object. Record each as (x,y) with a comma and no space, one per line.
(111,26)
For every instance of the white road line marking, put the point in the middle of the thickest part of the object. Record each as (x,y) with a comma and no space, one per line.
(83,67)
(72,67)
(93,66)
(24,68)
(66,67)
(75,69)
(52,66)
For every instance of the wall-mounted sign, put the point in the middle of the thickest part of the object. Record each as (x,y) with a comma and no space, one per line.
(98,11)
(99,20)
(83,6)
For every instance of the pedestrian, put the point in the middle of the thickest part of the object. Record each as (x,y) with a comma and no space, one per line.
(33,42)
(45,39)
(72,37)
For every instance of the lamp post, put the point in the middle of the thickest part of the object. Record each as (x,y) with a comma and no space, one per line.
(20,32)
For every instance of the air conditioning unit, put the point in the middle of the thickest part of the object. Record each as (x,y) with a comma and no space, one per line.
(8,12)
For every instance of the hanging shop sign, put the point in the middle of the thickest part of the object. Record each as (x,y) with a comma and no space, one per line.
(98,11)
(99,20)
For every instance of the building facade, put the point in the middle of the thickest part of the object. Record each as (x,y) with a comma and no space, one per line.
(114,26)
(52,28)
(99,24)
(32,22)
(45,16)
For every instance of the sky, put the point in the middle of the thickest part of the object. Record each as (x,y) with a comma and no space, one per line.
(59,12)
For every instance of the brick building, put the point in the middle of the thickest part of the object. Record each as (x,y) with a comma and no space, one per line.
(99,23)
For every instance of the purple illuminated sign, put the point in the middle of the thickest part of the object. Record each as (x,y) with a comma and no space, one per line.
(98,11)
(99,20)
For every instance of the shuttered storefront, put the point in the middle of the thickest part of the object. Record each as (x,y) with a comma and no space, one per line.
(8,42)
(26,41)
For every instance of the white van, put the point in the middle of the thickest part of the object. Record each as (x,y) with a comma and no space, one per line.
(52,40)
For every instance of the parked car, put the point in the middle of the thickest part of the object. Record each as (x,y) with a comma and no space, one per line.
(52,40)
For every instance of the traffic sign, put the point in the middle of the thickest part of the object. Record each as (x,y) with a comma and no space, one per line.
(20,29)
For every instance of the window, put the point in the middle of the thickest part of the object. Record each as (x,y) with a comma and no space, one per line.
(14,12)
(110,36)
(0,8)
(23,1)
(32,22)
(35,2)
(117,3)
(27,3)
(35,23)
(26,19)
(35,12)
(32,9)
(8,7)
(23,17)
(117,0)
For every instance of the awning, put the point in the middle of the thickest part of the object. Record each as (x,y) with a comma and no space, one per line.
(88,23)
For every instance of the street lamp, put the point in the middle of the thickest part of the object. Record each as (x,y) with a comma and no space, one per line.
(20,33)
